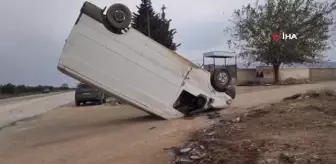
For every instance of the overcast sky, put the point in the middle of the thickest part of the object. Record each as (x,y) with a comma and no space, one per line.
(32,33)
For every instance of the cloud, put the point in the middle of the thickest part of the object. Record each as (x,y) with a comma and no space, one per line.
(32,39)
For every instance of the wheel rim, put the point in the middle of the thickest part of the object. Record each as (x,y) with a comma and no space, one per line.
(223,78)
(119,16)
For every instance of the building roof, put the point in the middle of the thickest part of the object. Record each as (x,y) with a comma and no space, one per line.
(219,54)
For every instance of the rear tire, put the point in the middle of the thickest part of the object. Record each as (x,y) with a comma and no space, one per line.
(99,102)
(119,16)
(220,79)
(103,98)
(77,103)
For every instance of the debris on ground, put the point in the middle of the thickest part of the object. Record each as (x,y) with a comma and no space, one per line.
(236,120)
(312,94)
(185,150)
(293,97)
(114,102)
(213,115)
(295,131)
(152,128)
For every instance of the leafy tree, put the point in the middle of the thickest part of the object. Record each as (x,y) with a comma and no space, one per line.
(144,19)
(154,25)
(166,34)
(8,88)
(11,89)
(308,19)
(21,89)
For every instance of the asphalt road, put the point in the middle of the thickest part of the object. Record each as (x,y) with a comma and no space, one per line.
(20,98)
(19,108)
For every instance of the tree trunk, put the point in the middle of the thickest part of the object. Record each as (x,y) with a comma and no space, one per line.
(276,73)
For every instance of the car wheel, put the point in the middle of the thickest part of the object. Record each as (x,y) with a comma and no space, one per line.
(77,103)
(119,16)
(99,102)
(220,79)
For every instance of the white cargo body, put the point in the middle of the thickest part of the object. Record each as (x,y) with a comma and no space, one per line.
(135,68)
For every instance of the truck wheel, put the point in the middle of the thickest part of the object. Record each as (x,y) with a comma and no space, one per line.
(220,79)
(99,102)
(103,98)
(119,16)
(231,91)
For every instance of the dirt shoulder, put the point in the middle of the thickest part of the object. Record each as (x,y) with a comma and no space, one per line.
(13,99)
(113,134)
(298,131)
(19,110)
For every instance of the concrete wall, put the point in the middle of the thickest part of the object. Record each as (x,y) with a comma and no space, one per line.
(296,73)
(285,73)
(245,76)
(268,74)
(249,75)
(321,74)
(314,74)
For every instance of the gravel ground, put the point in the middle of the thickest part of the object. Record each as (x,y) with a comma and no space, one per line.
(299,130)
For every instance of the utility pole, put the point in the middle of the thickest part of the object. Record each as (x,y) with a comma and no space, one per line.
(163,15)
(148,22)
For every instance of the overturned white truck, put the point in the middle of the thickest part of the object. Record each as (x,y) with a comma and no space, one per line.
(103,51)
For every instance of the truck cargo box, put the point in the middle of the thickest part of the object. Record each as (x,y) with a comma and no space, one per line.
(103,51)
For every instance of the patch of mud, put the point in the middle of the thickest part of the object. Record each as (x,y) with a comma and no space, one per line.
(295,131)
